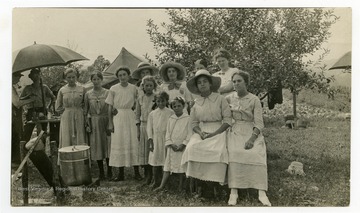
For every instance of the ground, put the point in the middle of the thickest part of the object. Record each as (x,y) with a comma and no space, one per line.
(323,148)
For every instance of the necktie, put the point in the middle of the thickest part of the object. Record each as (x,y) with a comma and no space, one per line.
(174,85)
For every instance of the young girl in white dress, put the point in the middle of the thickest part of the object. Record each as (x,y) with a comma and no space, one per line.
(156,130)
(178,133)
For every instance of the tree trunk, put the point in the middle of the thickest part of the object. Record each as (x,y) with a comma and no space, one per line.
(294,105)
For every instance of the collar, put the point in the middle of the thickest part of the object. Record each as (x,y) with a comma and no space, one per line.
(248,96)
(212,98)
(184,115)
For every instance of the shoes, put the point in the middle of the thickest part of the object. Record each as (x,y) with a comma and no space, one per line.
(109,175)
(138,177)
(117,179)
(233,199)
(264,200)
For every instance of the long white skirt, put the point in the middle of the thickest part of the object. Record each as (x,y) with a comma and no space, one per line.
(206,159)
(247,168)
(124,143)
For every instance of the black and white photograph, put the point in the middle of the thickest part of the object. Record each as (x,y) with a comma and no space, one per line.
(183,106)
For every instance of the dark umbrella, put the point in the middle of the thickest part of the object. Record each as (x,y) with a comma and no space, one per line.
(343,63)
(42,55)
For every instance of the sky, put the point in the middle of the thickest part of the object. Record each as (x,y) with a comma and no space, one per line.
(91,32)
(94,32)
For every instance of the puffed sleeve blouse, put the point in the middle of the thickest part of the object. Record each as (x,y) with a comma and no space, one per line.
(213,108)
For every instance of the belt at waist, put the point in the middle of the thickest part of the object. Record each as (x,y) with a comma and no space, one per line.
(100,115)
(73,108)
(242,122)
(125,109)
(209,122)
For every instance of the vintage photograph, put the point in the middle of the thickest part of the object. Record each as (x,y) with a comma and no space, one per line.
(181,107)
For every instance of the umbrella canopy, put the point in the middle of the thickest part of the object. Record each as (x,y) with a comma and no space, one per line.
(343,63)
(42,55)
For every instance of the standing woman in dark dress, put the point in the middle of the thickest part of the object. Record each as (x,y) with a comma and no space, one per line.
(96,123)
(70,102)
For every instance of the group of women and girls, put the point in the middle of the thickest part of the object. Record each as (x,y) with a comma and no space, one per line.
(150,126)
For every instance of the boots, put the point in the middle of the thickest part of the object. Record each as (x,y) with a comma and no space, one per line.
(157,176)
(120,176)
(101,169)
(148,174)
(109,169)
(137,173)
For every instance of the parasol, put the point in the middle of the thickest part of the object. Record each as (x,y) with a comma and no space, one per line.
(343,63)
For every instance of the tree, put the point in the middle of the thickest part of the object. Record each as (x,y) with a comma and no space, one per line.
(271,44)
(99,64)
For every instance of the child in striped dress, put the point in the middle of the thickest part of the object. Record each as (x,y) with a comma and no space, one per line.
(178,133)
(144,106)
(156,129)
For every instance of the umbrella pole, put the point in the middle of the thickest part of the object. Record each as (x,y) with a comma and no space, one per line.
(42,96)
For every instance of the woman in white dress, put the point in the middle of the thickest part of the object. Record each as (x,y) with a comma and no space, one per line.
(124,142)
(246,144)
(222,59)
(205,157)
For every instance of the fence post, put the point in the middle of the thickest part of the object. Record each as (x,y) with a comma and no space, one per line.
(24,177)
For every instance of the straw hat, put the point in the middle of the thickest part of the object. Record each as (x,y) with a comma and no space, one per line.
(142,66)
(180,71)
(191,84)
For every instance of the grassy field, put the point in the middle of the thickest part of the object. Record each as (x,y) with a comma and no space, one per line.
(323,148)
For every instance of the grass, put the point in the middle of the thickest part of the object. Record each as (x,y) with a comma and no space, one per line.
(323,148)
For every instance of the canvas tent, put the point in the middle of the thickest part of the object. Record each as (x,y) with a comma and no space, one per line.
(125,58)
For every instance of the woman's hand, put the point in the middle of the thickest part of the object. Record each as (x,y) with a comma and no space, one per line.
(88,128)
(111,127)
(181,147)
(138,132)
(203,135)
(151,145)
(209,135)
(249,144)
(174,147)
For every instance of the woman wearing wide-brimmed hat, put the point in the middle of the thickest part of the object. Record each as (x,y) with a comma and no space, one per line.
(144,69)
(206,157)
(173,76)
